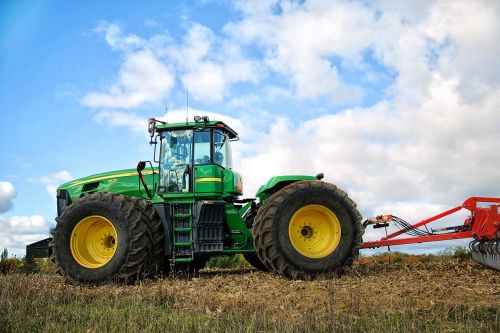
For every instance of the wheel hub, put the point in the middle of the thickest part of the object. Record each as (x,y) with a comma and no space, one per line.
(314,231)
(110,242)
(93,241)
(306,231)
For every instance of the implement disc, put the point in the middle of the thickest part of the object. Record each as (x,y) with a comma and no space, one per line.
(486,253)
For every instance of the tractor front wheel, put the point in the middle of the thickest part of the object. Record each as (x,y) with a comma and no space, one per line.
(101,237)
(308,228)
(157,263)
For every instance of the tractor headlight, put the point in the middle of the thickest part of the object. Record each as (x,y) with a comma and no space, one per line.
(239,186)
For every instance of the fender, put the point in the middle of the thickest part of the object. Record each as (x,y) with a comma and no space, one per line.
(275,184)
(125,182)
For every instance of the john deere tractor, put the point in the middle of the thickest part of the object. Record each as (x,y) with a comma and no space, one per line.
(176,212)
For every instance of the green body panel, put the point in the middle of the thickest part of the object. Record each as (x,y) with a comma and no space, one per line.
(278,182)
(124,182)
(239,237)
(208,180)
(233,184)
(214,180)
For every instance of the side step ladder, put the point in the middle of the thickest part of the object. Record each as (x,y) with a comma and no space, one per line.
(182,217)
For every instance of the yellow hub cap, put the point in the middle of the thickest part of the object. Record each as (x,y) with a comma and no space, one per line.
(93,241)
(314,231)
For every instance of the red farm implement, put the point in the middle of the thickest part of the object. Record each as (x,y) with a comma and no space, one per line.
(483,226)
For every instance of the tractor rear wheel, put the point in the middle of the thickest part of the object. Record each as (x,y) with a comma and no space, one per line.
(102,237)
(308,228)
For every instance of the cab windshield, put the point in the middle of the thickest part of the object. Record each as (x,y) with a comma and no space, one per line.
(175,161)
(180,149)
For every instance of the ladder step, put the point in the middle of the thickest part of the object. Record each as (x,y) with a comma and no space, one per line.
(183,229)
(183,244)
(187,259)
(182,215)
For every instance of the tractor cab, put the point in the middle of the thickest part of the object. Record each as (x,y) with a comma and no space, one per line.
(196,158)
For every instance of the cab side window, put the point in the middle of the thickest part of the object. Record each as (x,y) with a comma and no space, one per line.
(202,147)
(222,150)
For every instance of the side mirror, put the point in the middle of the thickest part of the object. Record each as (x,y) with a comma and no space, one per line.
(151,129)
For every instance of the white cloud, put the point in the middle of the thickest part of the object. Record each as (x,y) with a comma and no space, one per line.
(205,81)
(18,231)
(307,41)
(7,194)
(470,28)
(122,119)
(205,64)
(210,64)
(115,38)
(143,79)
(302,41)
(17,225)
(52,181)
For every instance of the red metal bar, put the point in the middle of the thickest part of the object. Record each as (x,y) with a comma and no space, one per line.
(485,224)
(482,199)
(421,239)
(471,203)
(423,222)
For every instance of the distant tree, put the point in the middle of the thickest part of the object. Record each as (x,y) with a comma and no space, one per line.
(4,255)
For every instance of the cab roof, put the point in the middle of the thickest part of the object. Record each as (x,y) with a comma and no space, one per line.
(199,125)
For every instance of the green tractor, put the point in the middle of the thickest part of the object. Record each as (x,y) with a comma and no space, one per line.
(185,206)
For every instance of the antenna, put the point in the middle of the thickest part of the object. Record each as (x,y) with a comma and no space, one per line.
(166,114)
(187,103)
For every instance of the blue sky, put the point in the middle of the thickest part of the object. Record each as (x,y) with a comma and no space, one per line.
(396,103)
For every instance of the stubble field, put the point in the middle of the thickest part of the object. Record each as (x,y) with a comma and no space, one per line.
(438,296)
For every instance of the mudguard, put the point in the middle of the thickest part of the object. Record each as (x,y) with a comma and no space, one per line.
(275,184)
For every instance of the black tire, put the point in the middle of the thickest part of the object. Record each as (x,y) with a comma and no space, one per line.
(133,243)
(254,260)
(271,230)
(157,261)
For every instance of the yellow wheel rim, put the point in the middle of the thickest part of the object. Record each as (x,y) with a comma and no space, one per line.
(314,231)
(93,241)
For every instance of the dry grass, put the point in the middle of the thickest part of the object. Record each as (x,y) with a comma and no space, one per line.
(420,296)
